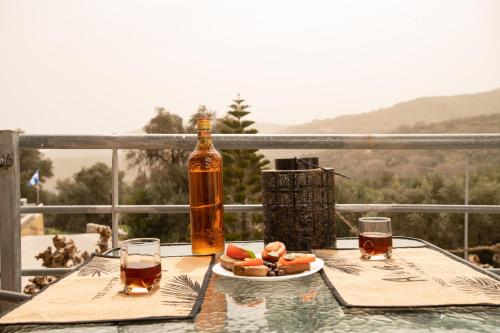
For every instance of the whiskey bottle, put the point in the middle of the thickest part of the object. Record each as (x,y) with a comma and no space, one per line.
(205,194)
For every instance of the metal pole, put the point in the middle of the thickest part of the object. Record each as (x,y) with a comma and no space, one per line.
(184,209)
(265,141)
(10,218)
(115,216)
(466,215)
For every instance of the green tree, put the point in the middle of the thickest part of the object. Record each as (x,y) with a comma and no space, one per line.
(164,122)
(242,168)
(162,179)
(89,186)
(445,230)
(31,160)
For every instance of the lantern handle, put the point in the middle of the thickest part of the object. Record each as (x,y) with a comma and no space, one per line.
(297,159)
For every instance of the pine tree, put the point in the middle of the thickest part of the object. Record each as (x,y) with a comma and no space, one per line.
(242,167)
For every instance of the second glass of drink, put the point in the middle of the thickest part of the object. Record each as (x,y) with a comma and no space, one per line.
(375,238)
(140,265)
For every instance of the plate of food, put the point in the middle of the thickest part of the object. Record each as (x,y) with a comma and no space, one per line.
(273,264)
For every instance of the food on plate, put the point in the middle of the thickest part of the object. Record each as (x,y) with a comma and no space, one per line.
(275,261)
(294,263)
(250,267)
(228,262)
(236,252)
(251,262)
(233,255)
(273,251)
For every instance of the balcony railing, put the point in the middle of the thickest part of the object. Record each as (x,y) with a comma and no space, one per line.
(10,210)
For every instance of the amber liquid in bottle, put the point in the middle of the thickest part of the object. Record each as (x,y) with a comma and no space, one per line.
(205,195)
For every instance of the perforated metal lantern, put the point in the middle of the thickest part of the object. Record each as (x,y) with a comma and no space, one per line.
(299,208)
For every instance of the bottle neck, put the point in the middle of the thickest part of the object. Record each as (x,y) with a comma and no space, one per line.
(204,138)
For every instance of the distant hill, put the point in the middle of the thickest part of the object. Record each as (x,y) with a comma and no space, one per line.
(478,124)
(423,110)
(374,163)
(269,128)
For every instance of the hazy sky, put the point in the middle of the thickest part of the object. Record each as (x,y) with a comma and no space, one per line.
(102,66)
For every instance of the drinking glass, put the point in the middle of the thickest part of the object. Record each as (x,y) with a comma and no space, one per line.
(375,238)
(140,265)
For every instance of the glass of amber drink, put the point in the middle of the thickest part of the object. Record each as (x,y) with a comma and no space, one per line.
(375,238)
(140,265)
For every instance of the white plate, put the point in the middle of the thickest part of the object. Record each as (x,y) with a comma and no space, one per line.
(315,267)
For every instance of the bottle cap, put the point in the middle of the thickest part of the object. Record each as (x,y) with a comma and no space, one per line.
(203,123)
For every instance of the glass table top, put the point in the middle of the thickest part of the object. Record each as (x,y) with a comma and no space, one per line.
(304,305)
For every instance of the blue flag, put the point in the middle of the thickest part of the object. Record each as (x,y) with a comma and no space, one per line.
(35,179)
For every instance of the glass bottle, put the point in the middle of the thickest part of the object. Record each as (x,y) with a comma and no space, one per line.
(205,194)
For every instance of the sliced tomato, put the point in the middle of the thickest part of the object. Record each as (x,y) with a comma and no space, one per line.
(236,252)
(253,262)
(302,259)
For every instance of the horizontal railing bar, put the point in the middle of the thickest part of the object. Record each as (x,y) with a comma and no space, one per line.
(417,208)
(13,297)
(343,208)
(106,209)
(46,271)
(64,209)
(265,141)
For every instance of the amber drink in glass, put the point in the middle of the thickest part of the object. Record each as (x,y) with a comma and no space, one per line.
(375,238)
(140,265)
(205,194)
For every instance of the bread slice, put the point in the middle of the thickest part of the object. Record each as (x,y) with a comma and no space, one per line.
(241,270)
(296,268)
(228,262)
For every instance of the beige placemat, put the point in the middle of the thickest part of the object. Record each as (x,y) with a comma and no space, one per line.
(92,294)
(413,277)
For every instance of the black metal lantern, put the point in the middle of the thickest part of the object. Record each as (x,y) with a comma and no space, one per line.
(299,204)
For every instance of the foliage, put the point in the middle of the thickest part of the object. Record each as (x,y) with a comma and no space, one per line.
(31,160)
(89,186)
(162,179)
(242,167)
(413,177)
(167,123)
(445,230)
(370,164)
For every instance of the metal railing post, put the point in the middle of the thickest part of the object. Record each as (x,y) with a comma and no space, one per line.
(115,216)
(10,218)
(466,215)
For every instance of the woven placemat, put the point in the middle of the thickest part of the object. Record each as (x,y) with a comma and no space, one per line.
(413,277)
(92,294)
